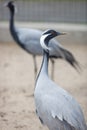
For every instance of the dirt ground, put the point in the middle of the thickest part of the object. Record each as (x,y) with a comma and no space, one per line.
(17,108)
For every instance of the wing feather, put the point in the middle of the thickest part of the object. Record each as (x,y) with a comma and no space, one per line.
(63,106)
(30,40)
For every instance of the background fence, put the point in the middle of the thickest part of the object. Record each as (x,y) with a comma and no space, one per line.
(71,11)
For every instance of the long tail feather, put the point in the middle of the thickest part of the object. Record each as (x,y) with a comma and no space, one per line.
(69,57)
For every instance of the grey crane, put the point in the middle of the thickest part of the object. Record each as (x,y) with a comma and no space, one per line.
(55,107)
(29,40)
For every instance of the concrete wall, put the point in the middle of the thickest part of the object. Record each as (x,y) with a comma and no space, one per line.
(76,33)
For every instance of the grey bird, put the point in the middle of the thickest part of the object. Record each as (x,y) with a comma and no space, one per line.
(29,40)
(55,107)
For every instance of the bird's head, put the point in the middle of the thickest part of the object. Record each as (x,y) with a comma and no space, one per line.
(47,36)
(11,6)
(52,33)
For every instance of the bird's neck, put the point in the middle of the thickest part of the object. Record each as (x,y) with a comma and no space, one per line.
(44,66)
(12,27)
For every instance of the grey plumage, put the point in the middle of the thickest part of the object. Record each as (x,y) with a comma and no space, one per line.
(56,108)
(29,40)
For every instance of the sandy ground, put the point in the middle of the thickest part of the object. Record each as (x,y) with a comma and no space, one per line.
(17,108)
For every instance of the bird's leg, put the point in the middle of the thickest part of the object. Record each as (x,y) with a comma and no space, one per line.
(35,66)
(35,70)
(52,72)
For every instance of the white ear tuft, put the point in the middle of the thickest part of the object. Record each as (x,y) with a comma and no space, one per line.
(43,44)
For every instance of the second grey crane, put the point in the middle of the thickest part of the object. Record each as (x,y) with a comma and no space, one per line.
(55,107)
(29,40)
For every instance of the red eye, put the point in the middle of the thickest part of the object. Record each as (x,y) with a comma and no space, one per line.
(52,32)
